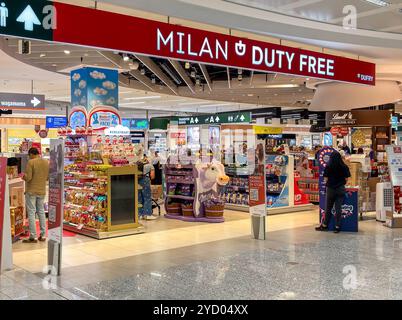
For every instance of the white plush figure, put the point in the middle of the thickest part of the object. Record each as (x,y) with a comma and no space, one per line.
(209,176)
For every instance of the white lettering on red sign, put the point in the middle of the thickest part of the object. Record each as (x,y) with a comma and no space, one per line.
(174,41)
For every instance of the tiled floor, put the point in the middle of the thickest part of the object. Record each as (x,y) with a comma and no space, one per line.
(205,261)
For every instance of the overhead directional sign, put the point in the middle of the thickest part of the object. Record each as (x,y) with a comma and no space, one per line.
(18,101)
(229,117)
(65,23)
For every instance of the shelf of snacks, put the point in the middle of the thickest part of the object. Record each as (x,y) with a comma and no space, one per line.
(236,192)
(101,187)
(180,191)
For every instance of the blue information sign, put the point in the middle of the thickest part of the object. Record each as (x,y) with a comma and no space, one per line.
(56,122)
(135,124)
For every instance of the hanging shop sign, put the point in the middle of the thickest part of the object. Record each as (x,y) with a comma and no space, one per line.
(18,101)
(267,130)
(117,131)
(229,117)
(56,122)
(43,134)
(65,23)
(359,118)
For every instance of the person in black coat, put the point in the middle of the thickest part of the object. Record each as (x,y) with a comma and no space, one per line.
(336,174)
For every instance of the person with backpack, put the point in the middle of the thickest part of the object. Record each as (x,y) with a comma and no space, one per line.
(145,195)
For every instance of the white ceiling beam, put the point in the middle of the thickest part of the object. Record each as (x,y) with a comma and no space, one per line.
(118,61)
(180,70)
(158,72)
(206,75)
(298,4)
(251,78)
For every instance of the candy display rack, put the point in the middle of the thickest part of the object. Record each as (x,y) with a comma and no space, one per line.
(101,200)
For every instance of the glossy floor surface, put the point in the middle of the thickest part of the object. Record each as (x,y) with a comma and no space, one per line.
(177,260)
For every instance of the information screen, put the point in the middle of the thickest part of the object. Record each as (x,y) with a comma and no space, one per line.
(122,199)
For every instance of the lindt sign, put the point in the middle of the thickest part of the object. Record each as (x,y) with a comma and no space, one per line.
(340,118)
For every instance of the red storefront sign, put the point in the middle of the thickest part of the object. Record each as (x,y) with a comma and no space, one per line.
(178,135)
(3,185)
(101,29)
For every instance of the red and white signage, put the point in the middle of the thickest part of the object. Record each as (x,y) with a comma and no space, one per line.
(106,30)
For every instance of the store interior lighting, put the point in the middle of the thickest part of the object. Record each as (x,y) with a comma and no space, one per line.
(380,3)
(126,58)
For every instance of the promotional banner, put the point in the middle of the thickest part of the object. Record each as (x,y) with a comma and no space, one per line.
(93,87)
(56,203)
(65,23)
(323,159)
(3,186)
(256,181)
(277,181)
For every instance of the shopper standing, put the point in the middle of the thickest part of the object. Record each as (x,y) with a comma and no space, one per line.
(145,194)
(36,176)
(336,174)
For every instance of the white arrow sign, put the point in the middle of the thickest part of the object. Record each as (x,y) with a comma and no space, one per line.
(29,18)
(35,101)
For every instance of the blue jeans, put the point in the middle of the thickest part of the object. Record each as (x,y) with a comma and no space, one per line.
(35,204)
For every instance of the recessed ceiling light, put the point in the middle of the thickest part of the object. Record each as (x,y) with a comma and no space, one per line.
(42,55)
(126,58)
(54,65)
(250,95)
(187,65)
(67,51)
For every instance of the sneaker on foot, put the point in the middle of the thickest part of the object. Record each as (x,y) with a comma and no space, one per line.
(337,230)
(29,241)
(150,218)
(42,239)
(321,228)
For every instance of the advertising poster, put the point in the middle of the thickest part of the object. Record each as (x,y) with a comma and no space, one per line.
(92,87)
(3,185)
(256,182)
(277,181)
(56,202)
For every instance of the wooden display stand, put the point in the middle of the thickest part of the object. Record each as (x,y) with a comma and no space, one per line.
(122,206)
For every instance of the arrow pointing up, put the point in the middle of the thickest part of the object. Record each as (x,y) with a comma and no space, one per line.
(29,18)
(35,101)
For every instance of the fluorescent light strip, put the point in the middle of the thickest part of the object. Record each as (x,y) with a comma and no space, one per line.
(218,105)
(282,86)
(143,98)
(380,3)
(193,103)
(131,103)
